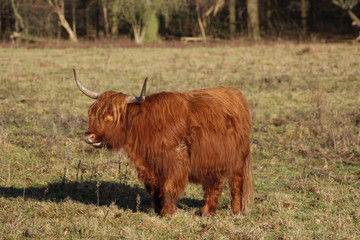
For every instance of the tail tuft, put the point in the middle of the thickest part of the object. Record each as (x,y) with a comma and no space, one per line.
(248,185)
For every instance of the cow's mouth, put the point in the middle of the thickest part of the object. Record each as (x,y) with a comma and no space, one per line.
(102,145)
(98,144)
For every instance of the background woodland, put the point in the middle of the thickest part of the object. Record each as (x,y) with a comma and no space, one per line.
(189,20)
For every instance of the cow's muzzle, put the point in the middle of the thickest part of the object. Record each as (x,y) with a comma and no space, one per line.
(93,139)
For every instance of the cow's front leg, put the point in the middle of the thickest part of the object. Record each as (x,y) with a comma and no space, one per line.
(164,201)
(169,204)
(171,191)
(157,199)
(148,178)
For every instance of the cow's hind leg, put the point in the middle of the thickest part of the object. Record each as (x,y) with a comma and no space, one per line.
(235,182)
(212,189)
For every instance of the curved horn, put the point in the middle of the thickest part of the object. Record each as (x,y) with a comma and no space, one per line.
(141,98)
(86,91)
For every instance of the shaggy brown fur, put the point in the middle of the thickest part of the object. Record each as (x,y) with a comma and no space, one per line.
(173,138)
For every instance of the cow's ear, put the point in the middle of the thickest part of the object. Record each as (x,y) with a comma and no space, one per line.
(132,99)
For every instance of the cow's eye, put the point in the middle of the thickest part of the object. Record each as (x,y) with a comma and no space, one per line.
(109,118)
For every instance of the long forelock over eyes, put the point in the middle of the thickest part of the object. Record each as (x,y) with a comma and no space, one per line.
(109,103)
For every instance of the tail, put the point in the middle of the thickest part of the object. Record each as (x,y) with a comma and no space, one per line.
(247,185)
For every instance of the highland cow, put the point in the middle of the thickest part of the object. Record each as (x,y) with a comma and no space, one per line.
(173,138)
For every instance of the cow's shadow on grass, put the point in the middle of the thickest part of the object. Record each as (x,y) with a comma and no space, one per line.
(102,193)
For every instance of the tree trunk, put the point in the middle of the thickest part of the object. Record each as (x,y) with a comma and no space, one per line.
(202,29)
(348,6)
(87,25)
(241,19)
(97,14)
(73,10)
(26,26)
(19,23)
(139,33)
(152,30)
(64,23)
(356,20)
(304,7)
(106,21)
(67,27)
(232,17)
(114,20)
(58,6)
(200,22)
(268,16)
(58,35)
(84,6)
(253,19)
(114,27)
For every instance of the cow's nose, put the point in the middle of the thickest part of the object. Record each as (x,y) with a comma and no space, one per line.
(90,138)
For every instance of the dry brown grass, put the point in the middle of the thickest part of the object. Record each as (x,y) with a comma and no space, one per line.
(306,143)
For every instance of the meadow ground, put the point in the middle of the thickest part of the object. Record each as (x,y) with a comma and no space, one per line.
(305,103)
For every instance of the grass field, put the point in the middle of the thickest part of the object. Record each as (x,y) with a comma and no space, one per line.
(305,103)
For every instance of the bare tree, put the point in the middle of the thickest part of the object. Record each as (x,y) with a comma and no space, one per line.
(269,16)
(348,5)
(232,17)
(58,7)
(253,19)
(204,9)
(139,14)
(136,13)
(106,20)
(19,23)
(73,11)
(115,12)
(304,10)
